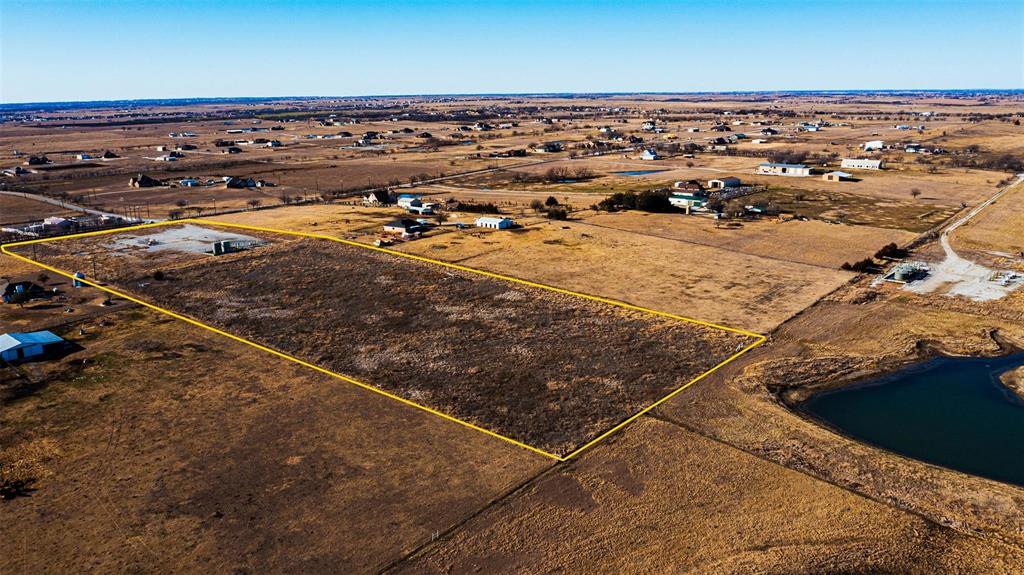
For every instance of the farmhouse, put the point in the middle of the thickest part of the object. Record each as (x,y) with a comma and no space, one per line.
(688,186)
(495,223)
(240,183)
(861,164)
(722,183)
(377,198)
(16,347)
(778,169)
(649,154)
(837,177)
(405,227)
(144,181)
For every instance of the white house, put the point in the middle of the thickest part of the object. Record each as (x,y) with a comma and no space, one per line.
(649,154)
(861,164)
(778,169)
(495,223)
(873,145)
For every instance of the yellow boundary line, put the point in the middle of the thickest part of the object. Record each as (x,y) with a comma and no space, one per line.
(758,338)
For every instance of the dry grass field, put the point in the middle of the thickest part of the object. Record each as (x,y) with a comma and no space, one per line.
(15,210)
(997,229)
(661,495)
(703,282)
(166,448)
(810,242)
(500,355)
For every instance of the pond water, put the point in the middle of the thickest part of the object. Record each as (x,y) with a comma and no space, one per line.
(638,172)
(952,412)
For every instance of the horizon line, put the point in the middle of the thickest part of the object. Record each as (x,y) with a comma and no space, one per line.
(4,105)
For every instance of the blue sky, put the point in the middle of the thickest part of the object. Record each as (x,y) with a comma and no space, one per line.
(54,50)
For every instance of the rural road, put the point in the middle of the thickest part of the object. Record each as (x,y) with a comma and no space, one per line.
(63,204)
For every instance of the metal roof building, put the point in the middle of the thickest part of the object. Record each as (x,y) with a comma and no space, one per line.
(21,346)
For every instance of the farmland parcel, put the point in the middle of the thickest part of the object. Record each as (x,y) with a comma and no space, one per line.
(550,370)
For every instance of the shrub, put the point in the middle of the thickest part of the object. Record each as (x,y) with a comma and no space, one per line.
(475,208)
(891,251)
(558,214)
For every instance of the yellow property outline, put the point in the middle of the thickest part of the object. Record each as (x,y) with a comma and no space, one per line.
(758,338)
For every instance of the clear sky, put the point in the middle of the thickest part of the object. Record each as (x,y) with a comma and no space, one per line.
(55,50)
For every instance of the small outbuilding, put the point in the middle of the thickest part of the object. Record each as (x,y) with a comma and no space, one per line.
(17,347)
(837,176)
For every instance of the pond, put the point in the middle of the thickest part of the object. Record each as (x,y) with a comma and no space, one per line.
(638,172)
(952,412)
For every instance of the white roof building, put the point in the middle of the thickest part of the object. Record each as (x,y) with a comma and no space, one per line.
(861,164)
(495,223)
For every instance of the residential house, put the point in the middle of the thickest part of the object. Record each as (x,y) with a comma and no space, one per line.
(550,147)
(873,145)
(689,186)
(377,198)
(20,291)
(650,154)
(404,227)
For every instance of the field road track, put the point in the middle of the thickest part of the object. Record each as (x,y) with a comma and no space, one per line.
(944,238)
